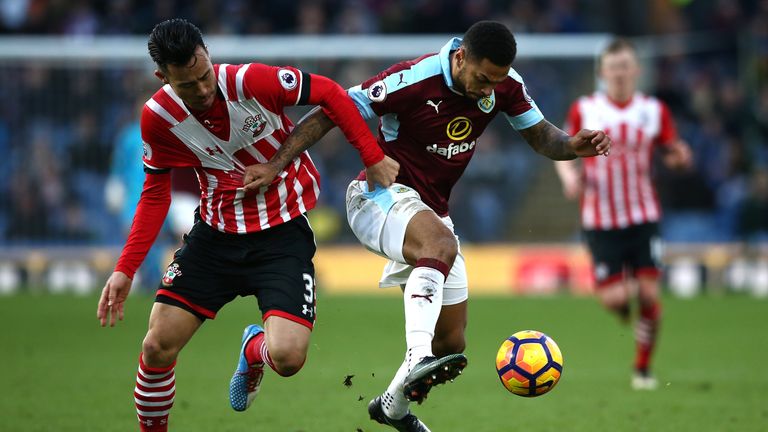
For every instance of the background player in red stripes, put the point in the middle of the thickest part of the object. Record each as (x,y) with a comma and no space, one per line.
(619,206)
(218,119)
(432,111)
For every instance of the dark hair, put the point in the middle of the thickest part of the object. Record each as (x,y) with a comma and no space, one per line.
(490,40)
(174,42)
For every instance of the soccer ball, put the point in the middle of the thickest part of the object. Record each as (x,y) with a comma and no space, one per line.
(529,363)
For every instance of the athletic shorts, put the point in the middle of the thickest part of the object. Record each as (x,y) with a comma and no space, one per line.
(636,250)
(379,220)
(274,265)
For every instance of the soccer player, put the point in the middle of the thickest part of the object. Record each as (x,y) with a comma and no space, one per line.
(432,111)
(218,119)
(619,208)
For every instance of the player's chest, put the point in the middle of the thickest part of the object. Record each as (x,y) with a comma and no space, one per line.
(221,133)
(627,128)
(444,119)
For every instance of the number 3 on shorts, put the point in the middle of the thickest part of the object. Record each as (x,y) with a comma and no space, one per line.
(309,285)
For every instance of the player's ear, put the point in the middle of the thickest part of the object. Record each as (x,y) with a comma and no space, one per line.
(161,77)
(461,55)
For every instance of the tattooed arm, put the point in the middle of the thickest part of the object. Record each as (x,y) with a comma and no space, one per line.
(555,144)
(309,130)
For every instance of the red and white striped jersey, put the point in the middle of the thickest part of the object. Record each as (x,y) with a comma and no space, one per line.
(243,128)
(618,189)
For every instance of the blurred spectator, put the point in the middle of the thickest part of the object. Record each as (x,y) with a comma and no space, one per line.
(59,123)
(753,224)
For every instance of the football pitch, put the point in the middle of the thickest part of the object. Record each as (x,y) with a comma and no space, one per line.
(62,372)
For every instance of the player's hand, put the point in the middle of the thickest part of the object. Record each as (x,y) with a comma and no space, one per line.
(588,143)
(679,157)
(259,175)
(113,299)
(382,173)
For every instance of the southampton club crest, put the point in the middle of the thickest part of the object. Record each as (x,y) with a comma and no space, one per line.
(255,124)
(170,274)
(487,103)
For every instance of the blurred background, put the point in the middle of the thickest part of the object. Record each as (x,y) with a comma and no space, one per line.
(74,74)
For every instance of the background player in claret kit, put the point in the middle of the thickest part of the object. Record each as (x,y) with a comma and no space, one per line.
(433,110)
(619,207)
(218,119)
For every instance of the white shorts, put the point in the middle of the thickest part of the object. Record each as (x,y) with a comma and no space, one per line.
(379,220)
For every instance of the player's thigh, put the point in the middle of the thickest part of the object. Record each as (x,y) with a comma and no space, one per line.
(645,252)
(379,219)
(281,274)
(170,328)
(607,250)
(202,277)
(427,236)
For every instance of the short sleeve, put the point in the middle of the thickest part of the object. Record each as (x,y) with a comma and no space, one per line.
(668,131)
(518,106)
(162,149)
(276,87)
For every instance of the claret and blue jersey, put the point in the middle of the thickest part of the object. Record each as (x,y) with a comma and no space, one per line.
(430,128)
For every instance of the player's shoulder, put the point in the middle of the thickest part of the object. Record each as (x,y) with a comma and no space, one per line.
(512,84)
(164,109)
(650,104)
(408,73)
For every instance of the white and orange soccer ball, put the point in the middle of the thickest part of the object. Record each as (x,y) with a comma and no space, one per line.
(529,363)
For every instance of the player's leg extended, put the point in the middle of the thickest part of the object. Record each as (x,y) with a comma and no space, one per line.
(431,248)
(646,262)
(608,249)
(646,331)
(287,300)
(170,328)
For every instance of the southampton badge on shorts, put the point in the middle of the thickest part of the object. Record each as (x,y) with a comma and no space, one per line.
(170,274)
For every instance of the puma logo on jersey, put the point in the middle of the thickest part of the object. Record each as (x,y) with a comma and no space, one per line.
(435,105)
(427,297)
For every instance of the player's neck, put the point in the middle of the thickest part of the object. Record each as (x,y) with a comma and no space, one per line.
(621,100)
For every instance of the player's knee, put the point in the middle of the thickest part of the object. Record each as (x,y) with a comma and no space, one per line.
(443,248)
(157,354)
(288,362)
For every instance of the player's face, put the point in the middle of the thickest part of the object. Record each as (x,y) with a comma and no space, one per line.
(195,82)
(620,71)
(477,78)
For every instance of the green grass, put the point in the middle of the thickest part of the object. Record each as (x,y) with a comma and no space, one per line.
(61,372)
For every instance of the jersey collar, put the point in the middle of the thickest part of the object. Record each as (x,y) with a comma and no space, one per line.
(445,60)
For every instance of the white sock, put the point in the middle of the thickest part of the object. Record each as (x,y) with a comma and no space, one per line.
(393,401)
(423,299)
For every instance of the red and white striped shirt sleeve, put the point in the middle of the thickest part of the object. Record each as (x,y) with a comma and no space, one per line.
(277,87)
(668,132)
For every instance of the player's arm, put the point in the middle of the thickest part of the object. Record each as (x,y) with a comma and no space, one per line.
(550,141)
(150,213)
(338,110)
(569,171)
(677,153)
